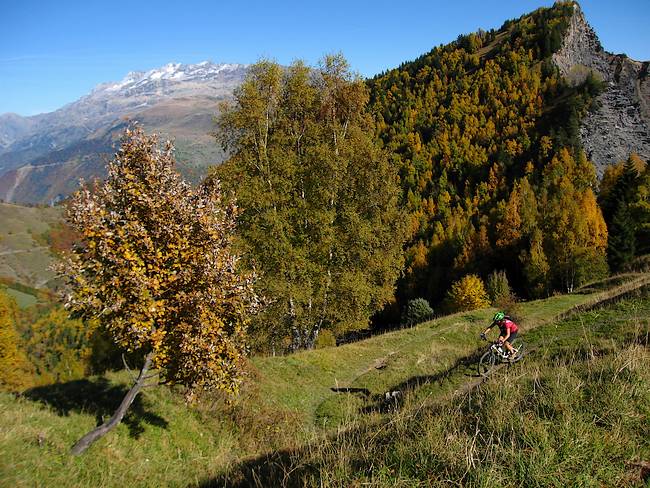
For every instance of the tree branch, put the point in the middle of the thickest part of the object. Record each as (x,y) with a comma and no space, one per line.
(131,374)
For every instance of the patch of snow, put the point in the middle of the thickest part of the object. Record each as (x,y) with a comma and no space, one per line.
(171,72)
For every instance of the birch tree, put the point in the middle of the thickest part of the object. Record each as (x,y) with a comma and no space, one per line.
(320,217)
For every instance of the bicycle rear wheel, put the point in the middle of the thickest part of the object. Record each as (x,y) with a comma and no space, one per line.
(486,363)
(519,346)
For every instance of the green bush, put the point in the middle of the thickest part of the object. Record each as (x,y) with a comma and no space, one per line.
(416,311)
(326,338)
(498,286)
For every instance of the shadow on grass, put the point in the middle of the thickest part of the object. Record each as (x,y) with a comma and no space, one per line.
(98,398)
(298,467)
(464,365)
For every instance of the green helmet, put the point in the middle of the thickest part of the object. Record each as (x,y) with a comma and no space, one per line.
(498,317)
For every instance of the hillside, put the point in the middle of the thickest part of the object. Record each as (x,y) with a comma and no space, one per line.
(42,157)
(25,254)
(287,404)
(491,135)
(574,412)
(348,207)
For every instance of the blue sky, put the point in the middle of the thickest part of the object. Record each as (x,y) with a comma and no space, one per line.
(53,52)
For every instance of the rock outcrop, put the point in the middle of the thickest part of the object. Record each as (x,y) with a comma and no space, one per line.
(620,122)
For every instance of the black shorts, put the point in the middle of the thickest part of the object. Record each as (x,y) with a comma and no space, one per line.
(513,336)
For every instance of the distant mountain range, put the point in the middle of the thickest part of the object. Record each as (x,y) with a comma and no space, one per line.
(42,157)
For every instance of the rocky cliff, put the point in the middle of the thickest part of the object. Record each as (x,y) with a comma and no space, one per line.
(620,122)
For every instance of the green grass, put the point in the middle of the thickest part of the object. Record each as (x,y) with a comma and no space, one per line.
(286,404)
(24,300)
(166,444)
(574,413)
(23,258)
(302,382)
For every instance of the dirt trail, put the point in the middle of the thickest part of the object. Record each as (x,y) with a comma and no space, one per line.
(466,365)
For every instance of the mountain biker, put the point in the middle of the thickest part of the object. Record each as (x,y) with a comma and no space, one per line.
(507,331)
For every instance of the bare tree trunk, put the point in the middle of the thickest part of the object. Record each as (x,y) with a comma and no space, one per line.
(311,337)
(85,442)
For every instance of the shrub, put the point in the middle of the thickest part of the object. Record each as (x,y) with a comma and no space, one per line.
(468,293)
(326,338)
(497,286)
(510,306)
(416,311)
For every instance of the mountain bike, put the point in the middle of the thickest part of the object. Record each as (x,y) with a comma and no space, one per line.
(497,354)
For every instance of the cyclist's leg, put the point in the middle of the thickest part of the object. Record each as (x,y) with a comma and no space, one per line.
(502,341)
(508,343)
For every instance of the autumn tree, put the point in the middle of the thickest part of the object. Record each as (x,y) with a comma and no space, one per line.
(320,214)
(59,347)
(468,293)
(472,131)
(575,233)
(536,268)
(156,269)
(15,368)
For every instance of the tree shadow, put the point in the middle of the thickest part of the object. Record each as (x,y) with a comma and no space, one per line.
(385,403)
(298,467)
(98,398)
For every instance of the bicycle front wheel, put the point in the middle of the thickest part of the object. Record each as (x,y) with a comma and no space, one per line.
(486,363)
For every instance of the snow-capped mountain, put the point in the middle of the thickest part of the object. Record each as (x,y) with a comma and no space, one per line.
(167,78)
(41,157)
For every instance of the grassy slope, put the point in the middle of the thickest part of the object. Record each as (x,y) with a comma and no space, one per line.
(166,443)
(574,413)
(22,258)
(302,382)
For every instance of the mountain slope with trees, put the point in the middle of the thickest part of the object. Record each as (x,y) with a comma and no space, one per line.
(485,133)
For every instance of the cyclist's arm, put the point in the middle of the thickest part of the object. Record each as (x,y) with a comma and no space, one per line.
(489,328)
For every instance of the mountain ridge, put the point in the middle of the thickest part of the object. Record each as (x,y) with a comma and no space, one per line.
(177,100)
(618,125)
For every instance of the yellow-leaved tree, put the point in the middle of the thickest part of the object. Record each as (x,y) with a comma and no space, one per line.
(468,293)
(15,369)
(156,269)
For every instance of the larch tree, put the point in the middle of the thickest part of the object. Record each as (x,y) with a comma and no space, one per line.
(15,369)
(468,293)
(320,216)
(156,269)
(575,230)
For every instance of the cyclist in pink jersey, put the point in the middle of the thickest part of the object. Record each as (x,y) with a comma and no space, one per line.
(507,331)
